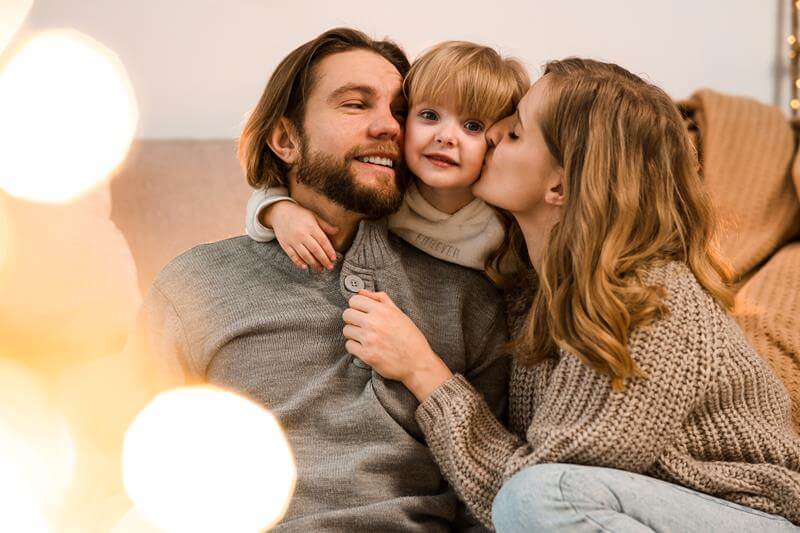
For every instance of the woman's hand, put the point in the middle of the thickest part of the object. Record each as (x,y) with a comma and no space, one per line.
(382,336)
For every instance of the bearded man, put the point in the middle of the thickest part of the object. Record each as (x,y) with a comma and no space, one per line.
(239,314)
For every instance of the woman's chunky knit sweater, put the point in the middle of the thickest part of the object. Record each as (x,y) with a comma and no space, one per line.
(710,415)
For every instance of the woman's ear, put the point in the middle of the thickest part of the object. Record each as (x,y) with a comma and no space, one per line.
(555,190)
(284,142)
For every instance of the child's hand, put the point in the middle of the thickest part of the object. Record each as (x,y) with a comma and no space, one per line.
(302,235)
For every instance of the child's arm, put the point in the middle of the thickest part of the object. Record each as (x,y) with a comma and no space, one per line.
(300,233)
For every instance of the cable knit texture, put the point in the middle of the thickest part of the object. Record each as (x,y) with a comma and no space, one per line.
(710,416)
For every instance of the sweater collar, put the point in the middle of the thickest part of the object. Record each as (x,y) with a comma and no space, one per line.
(371,248)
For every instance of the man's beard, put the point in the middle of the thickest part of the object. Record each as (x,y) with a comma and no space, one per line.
(336,181)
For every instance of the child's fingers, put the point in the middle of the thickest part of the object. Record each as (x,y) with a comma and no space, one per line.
(326,245)
(296,259)
(308,258)
(319,254)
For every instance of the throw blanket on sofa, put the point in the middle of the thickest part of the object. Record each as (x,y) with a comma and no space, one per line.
(749,163)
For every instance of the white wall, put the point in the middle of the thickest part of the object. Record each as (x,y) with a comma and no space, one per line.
(197,66)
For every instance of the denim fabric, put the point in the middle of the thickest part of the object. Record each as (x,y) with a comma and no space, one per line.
(564,497)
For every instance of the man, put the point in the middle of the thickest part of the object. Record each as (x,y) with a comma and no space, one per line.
(240,314)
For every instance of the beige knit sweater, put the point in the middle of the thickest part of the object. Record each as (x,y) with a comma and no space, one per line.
(711,415)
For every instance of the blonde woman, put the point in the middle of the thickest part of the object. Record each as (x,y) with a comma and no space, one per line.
(636,404)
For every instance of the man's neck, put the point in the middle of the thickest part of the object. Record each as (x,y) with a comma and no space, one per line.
(334,214)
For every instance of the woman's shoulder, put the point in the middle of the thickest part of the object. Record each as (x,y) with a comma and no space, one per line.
(683,291)
(694,325)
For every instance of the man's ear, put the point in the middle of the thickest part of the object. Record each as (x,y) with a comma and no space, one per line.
(284,141)
(555,190)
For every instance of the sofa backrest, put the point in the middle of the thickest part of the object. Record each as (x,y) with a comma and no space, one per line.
(171,195)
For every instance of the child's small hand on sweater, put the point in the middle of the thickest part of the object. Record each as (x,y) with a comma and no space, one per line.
(302,235)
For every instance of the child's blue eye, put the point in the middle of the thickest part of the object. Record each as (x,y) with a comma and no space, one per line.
(473,126)
(428,115)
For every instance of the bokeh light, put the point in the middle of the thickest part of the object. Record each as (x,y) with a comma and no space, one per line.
(12,15)
(203,459)
(37,453)
(5,232)
(67,117)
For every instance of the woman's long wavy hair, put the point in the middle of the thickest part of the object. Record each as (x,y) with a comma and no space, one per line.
(634,199)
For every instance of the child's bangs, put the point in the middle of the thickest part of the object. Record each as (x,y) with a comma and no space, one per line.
(475,88)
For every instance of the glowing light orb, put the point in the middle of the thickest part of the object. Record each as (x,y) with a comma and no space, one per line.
(67,117)
(4,233)
(203,459)
(37,453)
(12,15)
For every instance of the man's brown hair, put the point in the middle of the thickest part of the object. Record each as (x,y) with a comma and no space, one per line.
(286,93)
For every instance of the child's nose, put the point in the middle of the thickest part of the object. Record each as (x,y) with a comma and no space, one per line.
(445,136)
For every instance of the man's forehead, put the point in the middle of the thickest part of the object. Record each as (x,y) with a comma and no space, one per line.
(358,68)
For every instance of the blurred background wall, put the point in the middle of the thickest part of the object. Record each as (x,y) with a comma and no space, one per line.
(197,66)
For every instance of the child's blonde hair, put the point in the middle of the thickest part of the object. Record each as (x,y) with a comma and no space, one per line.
(475,79)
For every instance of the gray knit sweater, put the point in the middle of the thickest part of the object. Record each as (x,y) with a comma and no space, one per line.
(711,416)
(239,314)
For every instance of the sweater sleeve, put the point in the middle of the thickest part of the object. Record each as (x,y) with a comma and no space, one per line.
(158,345)
(260,200)
(580,419)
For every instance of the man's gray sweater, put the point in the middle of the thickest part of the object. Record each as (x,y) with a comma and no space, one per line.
(238,314)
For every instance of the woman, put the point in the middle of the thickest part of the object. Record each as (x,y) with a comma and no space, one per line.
(635,401)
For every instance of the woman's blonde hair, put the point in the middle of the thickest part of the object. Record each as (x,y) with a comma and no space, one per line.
(634,199)
(474,78)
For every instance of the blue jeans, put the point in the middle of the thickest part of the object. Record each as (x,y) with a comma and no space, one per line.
(564,497)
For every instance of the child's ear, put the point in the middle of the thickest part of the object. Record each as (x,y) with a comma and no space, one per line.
(284,142)
(555,192)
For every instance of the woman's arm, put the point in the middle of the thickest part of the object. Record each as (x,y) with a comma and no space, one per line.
(578,417)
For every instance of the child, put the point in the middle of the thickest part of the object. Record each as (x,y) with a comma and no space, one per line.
(456,91)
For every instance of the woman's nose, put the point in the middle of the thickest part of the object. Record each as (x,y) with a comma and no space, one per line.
(493,135)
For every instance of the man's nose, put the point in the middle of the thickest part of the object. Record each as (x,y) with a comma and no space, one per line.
(386,126)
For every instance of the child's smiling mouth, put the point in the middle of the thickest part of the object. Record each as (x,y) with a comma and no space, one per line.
(441,160)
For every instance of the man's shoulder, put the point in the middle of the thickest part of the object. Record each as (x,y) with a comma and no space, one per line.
(221,263)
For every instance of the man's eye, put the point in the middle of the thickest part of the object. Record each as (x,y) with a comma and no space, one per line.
(400,113)
(473,126)
(355,105)
(428,115)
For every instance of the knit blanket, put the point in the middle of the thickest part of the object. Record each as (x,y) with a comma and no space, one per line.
(749,163)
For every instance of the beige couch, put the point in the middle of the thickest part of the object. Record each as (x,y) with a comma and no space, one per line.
(172,195)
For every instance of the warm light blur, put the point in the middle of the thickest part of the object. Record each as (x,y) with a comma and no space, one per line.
(12,15)
(67,117)
(4,233)
(202,459)
(37,454)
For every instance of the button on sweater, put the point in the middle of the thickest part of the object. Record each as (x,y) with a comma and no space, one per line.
(239,314)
